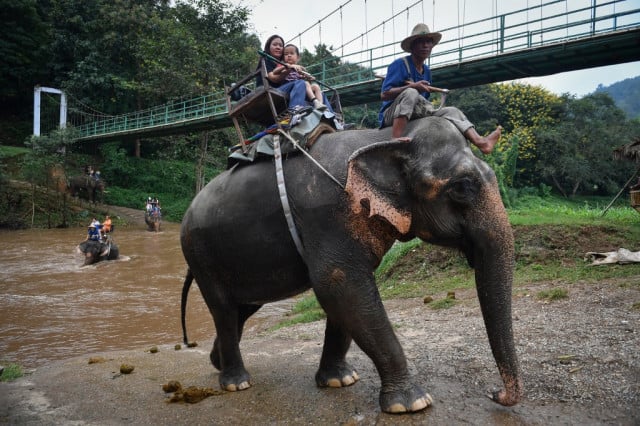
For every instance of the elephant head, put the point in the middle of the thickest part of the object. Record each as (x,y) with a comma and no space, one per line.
(435,189)
(96,251)
(379,190)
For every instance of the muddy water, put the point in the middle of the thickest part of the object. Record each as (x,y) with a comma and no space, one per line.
(53,308)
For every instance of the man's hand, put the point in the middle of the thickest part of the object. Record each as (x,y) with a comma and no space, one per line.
(422,86)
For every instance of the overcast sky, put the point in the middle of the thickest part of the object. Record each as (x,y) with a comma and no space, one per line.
(348,23)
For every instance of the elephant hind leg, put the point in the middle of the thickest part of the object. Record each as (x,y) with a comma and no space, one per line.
(334,371)
(225,355)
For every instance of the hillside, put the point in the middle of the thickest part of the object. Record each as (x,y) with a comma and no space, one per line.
(626,94)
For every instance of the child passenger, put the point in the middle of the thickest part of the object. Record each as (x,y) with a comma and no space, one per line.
(298,72)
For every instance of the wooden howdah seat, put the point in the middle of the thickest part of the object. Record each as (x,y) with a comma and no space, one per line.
(263,103)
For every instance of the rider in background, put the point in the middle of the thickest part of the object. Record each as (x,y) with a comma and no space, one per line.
(106,225)
(93,233)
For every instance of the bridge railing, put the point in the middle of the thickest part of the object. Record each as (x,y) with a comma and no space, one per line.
(539,25)
(173,112)
(488,37)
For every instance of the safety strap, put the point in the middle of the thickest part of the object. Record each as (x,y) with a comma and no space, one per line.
(406,64)
(282,190)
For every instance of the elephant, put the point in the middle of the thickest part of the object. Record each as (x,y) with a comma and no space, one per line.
(430,185)
(90,185)
(153,219)
(96,251)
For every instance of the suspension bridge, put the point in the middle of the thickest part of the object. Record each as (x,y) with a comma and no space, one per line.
(548,38)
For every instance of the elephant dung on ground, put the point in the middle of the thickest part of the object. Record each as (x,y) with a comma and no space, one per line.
(96,251)
(91,186)
(432,187)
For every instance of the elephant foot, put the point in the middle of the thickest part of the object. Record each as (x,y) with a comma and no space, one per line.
(407,400)
(509,397)
(235,381)
(337,376)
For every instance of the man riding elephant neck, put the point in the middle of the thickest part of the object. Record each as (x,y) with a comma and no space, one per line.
(407,86)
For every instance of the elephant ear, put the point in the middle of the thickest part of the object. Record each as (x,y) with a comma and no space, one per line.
(376,180)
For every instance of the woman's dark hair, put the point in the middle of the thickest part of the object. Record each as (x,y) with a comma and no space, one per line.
(268,43)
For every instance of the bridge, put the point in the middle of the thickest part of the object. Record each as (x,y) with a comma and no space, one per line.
(535,41)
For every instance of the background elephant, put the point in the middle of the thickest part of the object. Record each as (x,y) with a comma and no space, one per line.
(92,187)
(153,219)
(238,247)
(96,251)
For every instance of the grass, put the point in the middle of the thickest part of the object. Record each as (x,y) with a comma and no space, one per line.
(530,210)
(11,372)
(12,151)
(552,237)
(553,294)
(442,303)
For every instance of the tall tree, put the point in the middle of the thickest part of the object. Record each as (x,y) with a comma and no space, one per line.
(575,156)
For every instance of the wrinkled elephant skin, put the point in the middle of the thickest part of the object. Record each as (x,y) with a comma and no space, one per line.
(240,252)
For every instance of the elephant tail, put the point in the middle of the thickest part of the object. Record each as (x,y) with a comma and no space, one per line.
(183,305)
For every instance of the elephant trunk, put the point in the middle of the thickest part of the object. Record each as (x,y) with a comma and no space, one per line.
(494,266)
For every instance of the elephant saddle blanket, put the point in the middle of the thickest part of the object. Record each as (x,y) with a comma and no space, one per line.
(303,124)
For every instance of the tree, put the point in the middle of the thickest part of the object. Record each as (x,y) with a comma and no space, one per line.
(23,49)
(575,156)
(44,168)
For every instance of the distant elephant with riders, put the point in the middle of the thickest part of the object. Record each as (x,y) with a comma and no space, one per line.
(91,187)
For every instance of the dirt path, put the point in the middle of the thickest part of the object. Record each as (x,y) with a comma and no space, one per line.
(579,357)
(130,216)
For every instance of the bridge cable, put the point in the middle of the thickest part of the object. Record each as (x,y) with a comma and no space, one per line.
(341,31)
(393,27)
(322,19)
(566,14)
(541,35)
(433,17)
(375,28)
(366,22)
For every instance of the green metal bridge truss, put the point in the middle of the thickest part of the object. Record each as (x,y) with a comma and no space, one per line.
(501,48)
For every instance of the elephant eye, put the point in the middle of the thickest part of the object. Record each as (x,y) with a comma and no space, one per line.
(463,190)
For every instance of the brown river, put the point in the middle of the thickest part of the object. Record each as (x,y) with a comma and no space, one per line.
(53,308)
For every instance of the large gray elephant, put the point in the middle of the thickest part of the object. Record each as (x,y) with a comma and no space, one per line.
(87,185)
(239,249)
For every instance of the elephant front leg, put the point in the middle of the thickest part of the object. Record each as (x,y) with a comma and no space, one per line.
(334,371)
(355,304)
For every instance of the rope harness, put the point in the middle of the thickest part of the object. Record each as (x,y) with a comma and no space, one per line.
(282,189)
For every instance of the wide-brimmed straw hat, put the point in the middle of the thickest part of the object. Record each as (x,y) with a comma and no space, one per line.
(419,31)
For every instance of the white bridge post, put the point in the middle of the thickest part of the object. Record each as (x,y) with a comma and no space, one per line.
(37,104)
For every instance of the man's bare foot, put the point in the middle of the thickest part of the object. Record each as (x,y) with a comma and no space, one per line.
(486,143)
(401,139)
